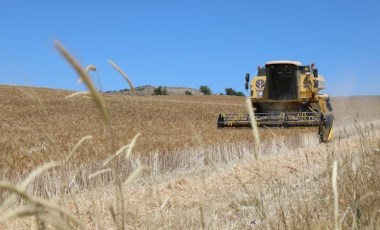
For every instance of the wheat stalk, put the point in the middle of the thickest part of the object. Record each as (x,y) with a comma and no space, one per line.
(335,191)
(135,173)
(45,211)
(77,94)
(86,70)
(123,74)
(24,184)
(26,210)
(255,130)
(39,206)
(129,148)
(99,172)
(76,146)
(97,97)
(132,145)
(116,154)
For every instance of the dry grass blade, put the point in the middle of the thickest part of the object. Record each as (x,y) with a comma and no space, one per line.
(27,210)
(38,202)
(344,118)
(166,200)
(255,130)
(135,173)
(90,67)
(335,191)
(109,159)
(34,174)
(12,188)
(121,149)
(76,146)
(77,94)
(97,97)
(55,220)
(123,74)
(270,130)
(99,172)
(86,70)
(18,191)
(116,154)
(202,217)
(129,151)
(132,144)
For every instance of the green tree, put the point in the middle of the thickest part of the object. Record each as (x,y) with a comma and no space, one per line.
(232,92)
(160,91)
(205,90)
(187,92)
(240,94)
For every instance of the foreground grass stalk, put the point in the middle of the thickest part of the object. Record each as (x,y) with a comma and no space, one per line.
(336,195)
(98,98)
(39,207)
(77,94)
(125,76)
(86,70)
(24,184)
(255,130)
(76,147)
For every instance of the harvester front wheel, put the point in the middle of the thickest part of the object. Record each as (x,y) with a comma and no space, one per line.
(326,131)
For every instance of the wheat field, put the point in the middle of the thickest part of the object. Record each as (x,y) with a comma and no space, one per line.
(186,173)
(41,124)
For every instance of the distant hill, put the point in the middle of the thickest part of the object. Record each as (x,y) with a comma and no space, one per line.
(149,90)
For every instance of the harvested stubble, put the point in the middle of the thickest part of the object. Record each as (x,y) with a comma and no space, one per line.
(288,187)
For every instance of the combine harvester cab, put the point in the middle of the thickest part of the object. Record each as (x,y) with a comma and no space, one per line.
(284,94)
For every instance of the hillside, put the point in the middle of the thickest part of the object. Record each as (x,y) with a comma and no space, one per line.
(149,90)
(199,168)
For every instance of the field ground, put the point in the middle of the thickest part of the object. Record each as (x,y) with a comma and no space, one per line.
(201,177)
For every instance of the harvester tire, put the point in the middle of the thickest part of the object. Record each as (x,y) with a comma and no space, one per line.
(326,131)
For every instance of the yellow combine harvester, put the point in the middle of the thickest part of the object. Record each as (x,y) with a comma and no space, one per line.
(286,93)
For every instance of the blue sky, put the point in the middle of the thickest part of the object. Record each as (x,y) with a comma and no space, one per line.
(190,43)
